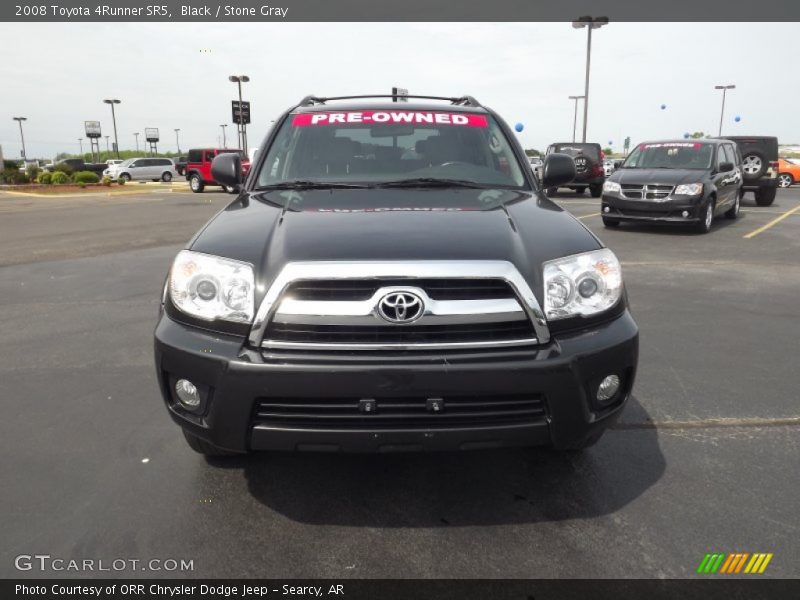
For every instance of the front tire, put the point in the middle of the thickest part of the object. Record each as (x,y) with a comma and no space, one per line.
(765,196)
(704,226)
(609,222)
(196,184)
(205,448)
(596,190)
(785,180)
(733,211)
(124,178)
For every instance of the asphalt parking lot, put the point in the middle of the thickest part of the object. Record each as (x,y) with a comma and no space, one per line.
(705,459)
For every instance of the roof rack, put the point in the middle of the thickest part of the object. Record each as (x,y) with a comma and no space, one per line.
(461,101)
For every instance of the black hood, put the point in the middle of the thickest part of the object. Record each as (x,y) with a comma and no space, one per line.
(658,176)
(394,224)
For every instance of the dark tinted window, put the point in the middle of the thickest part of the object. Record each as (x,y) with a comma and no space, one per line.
(671,155)
(591,151)
(195,156)
(390,145)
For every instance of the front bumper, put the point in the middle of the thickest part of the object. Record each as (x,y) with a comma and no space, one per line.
(564,373)
(670,211)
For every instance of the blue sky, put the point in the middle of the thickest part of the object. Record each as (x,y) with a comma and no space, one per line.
(57,74)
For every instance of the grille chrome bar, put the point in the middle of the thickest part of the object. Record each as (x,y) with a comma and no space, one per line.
(362,312)
(399,346)
(405,271)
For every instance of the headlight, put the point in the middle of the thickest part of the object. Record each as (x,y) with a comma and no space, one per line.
(583,284)
(689,189)
(210,287)
(612,187)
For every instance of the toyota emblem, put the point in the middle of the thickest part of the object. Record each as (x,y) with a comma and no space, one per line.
(401,307)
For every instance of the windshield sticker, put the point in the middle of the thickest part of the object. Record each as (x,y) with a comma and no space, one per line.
(670,145)
(370,117)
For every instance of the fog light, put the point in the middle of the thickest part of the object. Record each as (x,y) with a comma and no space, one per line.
(685,214)
(608,388)
(187,394)
(606,209)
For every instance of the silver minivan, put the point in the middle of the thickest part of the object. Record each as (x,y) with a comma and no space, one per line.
(143,169)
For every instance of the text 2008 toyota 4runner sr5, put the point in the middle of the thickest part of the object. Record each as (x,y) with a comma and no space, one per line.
(391,277)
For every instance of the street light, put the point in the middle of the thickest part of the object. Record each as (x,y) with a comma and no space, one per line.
(22,135)
(724,89)
(575,118)
(136,135)
(178,141)
(108,150)
(590,23)
(112,102)
(224,141)
(80,141)
(239,80)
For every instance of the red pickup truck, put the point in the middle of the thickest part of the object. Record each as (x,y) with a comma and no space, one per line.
(198,167)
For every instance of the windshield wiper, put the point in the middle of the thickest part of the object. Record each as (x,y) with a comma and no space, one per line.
(309,185)
(423,182)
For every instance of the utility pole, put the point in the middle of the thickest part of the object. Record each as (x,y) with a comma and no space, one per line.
(136,135)
(575,117)
(22,136)
(224,141)
(112,102)
(724,89)
(590,23)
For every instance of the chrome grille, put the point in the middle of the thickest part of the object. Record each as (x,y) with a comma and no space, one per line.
(330,306)
(646,192)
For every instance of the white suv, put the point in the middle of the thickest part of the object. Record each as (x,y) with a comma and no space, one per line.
(143,169)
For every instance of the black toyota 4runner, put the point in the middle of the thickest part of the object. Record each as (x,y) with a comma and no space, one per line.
(391,277)
(589,172)
(681,182)
(759,166)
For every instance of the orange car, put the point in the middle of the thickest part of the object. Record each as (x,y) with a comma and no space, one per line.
(788,172)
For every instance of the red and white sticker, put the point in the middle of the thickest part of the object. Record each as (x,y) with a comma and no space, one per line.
(392,117)
(671,145)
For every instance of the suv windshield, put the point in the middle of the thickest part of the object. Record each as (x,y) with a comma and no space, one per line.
(670,155)
(391,147)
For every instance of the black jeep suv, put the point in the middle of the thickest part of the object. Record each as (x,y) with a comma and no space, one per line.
(759,166)
(391,277)
(682,182)
(589,171)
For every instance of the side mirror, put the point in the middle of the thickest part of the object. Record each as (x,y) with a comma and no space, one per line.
(558,170)
(725,167)
(617,164)
(227,169)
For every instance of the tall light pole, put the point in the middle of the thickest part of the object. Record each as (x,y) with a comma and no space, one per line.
(112,102)
(178,141)
(724,89)
(239,80)
(136,135)
(80,141)
(22,135)
(575,118)
(224,141)
(590,23)
(108,150)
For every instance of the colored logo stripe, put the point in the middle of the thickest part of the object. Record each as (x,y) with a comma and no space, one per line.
(733,563)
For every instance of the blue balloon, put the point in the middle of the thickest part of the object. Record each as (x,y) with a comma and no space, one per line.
(686,136)
(738,118)
(519,127)
(663,106)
